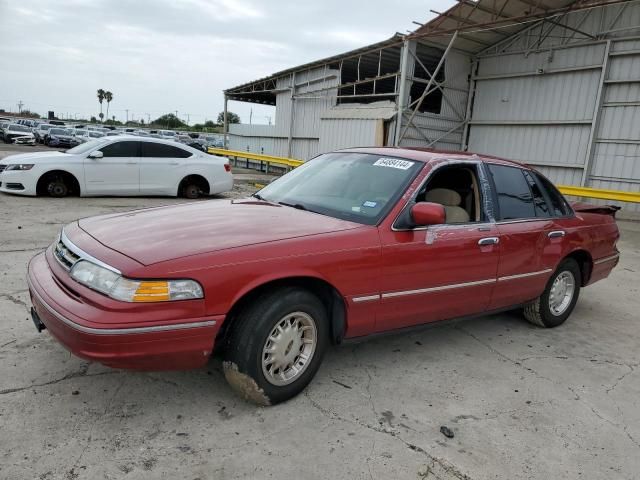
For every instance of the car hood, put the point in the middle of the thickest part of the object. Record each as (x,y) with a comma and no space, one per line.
(16,132)
(166,233)
(33,157)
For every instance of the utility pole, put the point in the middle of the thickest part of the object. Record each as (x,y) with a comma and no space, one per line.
(127,110)
(188,118)
(148,118)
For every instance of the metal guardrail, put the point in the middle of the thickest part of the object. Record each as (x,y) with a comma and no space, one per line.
(603,194)
(600,193)
(268,159)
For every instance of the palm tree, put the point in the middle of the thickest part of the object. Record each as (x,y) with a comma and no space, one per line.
(108,96)
(101,93)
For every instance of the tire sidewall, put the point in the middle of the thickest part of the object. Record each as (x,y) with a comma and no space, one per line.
(548,318)
(247,354)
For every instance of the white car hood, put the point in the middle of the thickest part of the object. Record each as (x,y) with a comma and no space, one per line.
(31,157)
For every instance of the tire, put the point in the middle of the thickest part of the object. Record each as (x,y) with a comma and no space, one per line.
(559,298)
(57,188)
(263,358)
(190,190)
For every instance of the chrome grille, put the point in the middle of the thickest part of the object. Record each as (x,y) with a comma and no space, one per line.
(65,257)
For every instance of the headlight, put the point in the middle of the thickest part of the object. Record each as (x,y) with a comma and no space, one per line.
(128,290)
(20,166)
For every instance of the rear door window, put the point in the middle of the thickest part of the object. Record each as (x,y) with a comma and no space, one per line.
(558,204)
(515,200)
(539,200)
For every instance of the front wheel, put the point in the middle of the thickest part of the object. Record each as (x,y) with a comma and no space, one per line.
(57,188)
(559,298)
(276,345)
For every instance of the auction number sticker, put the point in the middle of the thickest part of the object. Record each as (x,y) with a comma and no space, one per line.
(394,163)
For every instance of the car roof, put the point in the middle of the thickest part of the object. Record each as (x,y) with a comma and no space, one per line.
(173,143)
(427,155)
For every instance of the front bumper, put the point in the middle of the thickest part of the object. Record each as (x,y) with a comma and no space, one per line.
(179,345)
(18,182)
(24,140)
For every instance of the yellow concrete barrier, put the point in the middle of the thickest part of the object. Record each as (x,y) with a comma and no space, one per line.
(270,159)
(600,193)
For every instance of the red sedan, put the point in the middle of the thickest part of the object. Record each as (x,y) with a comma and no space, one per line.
(352,243)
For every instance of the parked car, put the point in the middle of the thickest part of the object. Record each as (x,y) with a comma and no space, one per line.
(352,243)
(60,137)
(3,126)
(167,133)
(87,135)
(118,165)
(20,134)
(41,131)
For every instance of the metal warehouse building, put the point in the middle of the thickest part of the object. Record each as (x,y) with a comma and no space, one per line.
(551,83)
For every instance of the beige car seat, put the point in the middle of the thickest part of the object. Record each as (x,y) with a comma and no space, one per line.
(451,201)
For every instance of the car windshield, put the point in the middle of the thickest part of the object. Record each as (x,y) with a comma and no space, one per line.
(86,147)
(19,128)
(44,127)
(351,186)
(59,131)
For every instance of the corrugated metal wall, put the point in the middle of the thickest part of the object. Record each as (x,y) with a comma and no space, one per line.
(346,132)
(564,105)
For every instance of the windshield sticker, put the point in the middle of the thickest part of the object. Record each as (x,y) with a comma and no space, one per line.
(394,163)
(355,209)
(370,204)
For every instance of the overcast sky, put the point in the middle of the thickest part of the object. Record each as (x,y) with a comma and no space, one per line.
(158,56)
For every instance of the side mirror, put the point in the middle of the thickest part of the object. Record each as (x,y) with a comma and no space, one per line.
(427,213)
(95,154)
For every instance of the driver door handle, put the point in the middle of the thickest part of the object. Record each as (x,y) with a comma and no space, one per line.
(488,241)
(556,233)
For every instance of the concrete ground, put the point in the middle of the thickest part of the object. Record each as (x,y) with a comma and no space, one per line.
(523,402)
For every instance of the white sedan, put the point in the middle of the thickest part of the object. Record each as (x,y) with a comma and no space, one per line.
(122,165)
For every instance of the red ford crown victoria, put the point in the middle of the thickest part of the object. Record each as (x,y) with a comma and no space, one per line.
(352,243)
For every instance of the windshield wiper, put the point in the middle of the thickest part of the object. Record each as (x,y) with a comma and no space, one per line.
(258,196)
(298,206)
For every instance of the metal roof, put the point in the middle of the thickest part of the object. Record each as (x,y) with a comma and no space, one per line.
(481,24)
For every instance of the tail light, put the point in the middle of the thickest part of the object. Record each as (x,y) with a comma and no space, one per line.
(227,167)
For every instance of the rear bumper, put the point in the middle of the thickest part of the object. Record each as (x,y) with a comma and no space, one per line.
(167,346)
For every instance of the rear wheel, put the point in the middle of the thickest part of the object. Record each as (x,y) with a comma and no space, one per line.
(559,298)
(276,345)
(190,190)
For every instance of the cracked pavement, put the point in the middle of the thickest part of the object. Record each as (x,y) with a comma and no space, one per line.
(523,402)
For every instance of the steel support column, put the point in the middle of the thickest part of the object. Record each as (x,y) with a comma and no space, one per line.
(595,123)
(225,123)
(292,112)
(402,98)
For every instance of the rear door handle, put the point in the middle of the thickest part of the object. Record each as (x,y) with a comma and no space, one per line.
(488,241)
(556,234)
(174,163)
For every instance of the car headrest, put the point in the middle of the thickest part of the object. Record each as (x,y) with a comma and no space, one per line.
(444,196)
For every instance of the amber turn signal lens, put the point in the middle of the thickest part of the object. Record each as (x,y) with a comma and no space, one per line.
(152,292)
